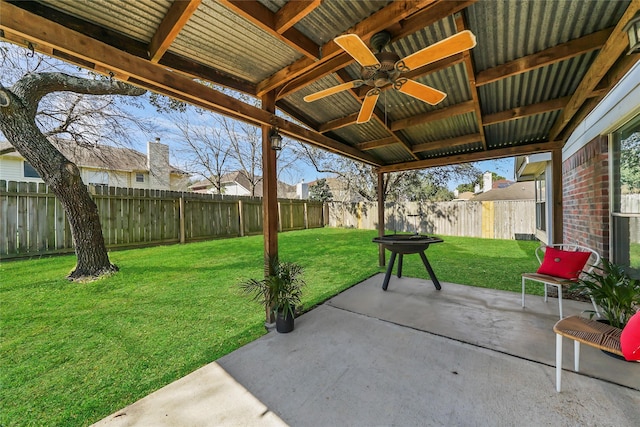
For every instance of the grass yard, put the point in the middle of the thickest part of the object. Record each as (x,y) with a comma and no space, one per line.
(73,353)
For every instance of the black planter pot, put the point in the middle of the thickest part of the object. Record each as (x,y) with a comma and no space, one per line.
(284,322)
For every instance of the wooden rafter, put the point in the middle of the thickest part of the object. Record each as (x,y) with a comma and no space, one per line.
(42,32)
(448,143)
(432,116)
(614,47)
(379,143)
(175,19)
(292,12)
(520,150)
(525,111)
(544,58)
(263,18)
(384,18)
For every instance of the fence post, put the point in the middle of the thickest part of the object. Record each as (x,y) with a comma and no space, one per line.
(306,216)
(182,227)
(241,217)
(279,218)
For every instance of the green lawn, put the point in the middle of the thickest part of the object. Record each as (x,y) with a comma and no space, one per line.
(74,353)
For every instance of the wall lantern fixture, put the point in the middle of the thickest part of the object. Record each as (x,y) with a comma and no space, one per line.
(276,139)
(633,31)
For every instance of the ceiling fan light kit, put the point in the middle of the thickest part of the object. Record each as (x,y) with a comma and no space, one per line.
(384,68)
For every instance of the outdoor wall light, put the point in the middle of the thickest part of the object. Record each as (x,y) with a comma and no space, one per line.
(633,31)
(276,139)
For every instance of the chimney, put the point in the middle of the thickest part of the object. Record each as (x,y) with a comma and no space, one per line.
(158,165)
(302,190)
(487,181)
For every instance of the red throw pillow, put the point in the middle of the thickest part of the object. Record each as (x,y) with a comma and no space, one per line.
(563,264)
(630,338)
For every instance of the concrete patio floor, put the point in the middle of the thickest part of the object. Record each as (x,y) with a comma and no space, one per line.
(410,356)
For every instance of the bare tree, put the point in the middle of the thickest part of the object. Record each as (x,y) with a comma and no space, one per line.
(361,179)
(21,119)
(205,150)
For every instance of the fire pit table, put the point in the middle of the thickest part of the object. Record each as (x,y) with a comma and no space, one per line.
(403,244)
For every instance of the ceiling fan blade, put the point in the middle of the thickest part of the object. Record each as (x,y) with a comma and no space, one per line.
(354,46)
(332,90)
(457,43)
(368,105)
(419,91)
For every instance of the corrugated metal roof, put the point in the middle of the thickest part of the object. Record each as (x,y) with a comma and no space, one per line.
(216,39)
(451,151)
(542,84)
(524,27)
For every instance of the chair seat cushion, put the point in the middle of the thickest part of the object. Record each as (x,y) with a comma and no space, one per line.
(630,338)
(564,264)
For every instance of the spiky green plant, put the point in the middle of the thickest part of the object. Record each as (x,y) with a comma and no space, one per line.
(617,294)
(281,290)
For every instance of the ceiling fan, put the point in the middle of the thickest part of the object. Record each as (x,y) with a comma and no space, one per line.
(385,68)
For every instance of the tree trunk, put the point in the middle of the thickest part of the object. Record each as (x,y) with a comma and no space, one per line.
(63,177)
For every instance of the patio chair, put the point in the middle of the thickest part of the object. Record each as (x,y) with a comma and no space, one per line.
(563,264)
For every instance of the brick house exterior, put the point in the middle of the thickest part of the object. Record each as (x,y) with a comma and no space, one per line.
(585,199)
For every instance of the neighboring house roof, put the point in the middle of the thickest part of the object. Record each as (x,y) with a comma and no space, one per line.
(98,156)
(515,191)
(465,195)
(241,178)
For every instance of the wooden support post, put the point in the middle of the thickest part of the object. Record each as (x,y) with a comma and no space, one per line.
(381,224)
(556,197)
(269,196)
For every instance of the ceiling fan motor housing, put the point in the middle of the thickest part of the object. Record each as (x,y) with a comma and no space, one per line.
(385,73)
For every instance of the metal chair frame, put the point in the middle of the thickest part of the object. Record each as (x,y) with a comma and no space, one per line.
(547,280)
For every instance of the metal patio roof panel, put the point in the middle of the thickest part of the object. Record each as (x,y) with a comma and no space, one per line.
(364,132)
(524,27)
(451,127)
(524,130)
(542,84)
(335,17)
(137,20)
(395,153)
(216,35)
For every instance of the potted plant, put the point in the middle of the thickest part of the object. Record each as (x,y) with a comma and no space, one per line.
(617,294)
(281,291)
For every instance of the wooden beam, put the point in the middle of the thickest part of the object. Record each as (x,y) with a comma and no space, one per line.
(292,12)
(258,14)
(546,57)
(372,145)
(177,16)
(614,47)
(477,156)
(447,143)
(384,18)
(42,32)
(525,111)
(432,116)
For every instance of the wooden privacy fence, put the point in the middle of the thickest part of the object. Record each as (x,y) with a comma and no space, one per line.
(509,219)
(32,221)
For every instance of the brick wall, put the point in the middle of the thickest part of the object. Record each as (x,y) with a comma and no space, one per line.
(585,197)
